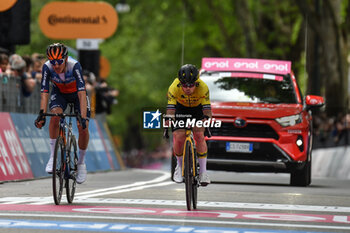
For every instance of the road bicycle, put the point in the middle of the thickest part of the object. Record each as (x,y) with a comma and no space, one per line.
(65,164)
(190,167)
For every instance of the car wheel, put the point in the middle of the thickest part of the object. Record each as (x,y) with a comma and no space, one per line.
(301,177)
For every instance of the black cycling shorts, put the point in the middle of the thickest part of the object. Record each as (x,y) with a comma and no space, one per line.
(57,99)
(183,113)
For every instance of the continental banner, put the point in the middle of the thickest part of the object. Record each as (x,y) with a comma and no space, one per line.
(73,20)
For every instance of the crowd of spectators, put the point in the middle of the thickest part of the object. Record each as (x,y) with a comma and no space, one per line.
(28,69)
(331,131)
(23,67)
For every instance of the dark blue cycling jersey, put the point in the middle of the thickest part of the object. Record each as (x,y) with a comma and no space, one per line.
(69,82)
(65,86)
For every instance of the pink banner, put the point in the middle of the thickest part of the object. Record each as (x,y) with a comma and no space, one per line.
(244,64)
(13,161)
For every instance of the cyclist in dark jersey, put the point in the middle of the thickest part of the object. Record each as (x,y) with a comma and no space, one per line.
(68,86)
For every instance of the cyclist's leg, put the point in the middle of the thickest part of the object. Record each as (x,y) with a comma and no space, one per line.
(83,141)
(179,136)
(179,133)
(57,104)
(202,153)
(201,146)
(202,149)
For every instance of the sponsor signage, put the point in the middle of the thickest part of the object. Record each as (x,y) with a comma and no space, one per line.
(97,158)
(109,151)
(35,142)
(13,161)
(248,65)
(73,20)
(7,4)
(105,67)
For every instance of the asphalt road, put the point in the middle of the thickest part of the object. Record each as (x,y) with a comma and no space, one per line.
(147,201)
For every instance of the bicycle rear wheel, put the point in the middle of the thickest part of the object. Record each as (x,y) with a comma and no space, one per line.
(73,167)
(58,171)
(188,174)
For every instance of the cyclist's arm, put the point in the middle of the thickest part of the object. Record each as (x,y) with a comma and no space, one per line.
(171,95)
(44,101)
(83,103)
(207,112)
(45,87)
(206,103)
(77,72)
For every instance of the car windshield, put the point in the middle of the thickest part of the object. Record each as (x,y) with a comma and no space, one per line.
(253,88)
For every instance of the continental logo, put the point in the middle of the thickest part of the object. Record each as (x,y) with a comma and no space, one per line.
(74,20)
(55,19)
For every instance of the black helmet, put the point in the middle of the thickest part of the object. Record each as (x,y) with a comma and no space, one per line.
(188,74)
(56,51)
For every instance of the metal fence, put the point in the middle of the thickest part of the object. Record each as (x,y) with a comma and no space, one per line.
(12,99)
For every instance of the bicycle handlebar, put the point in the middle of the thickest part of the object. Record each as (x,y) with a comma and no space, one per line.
(62,115)
(207,133)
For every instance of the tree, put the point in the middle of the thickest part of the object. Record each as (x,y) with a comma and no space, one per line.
(325,20)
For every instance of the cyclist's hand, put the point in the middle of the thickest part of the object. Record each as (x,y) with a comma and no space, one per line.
(83,123)
(207,132)
(165,133)
(40,120)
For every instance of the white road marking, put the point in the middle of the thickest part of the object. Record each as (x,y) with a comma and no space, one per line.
(222,205)
(100,192)
(195,221)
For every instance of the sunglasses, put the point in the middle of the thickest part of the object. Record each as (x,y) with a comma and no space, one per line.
(189,85)
(57,61)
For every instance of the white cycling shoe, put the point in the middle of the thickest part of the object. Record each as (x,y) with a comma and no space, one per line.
(178,174)
(204,179)
(49,165)
(82,172)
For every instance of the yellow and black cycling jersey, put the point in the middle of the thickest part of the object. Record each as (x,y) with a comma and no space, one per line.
(200,95)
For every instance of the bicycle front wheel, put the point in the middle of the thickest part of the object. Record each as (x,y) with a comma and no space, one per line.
(58,171)
(73,167)
(188,174)
(195,182)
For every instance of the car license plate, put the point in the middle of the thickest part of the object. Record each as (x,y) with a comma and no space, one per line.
(239,147)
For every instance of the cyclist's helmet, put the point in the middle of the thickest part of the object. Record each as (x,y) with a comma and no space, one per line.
(188,74)
(56,51)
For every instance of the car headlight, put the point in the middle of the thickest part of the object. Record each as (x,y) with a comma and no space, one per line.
(289,120)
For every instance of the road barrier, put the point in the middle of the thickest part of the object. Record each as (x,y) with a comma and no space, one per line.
(331,162)
(24,149)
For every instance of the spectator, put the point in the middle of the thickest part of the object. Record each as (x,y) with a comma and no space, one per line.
(18,66)
(4,61)
(105,97)
(38,62)
(29,63)
(90,80)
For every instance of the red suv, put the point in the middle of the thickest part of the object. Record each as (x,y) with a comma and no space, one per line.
(266,124)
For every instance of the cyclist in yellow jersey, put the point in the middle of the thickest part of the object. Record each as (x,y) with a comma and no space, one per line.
(188,97)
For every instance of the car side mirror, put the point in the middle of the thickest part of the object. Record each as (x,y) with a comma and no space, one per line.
(313,101)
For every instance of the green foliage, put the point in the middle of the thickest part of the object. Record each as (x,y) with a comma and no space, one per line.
(146,50)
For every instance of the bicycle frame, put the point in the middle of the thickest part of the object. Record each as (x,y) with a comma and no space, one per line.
(189,138)
(66,135)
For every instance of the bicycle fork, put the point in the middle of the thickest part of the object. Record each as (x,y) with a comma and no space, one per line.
(192,153)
